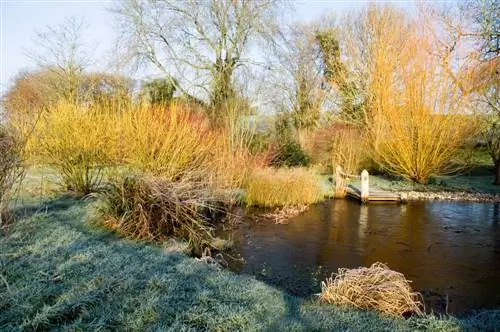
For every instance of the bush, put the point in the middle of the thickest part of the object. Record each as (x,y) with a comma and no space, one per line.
(288,151)
(349,149)
(290,154)
(283,187)
(374,288)
(81,141)
(168,142)
(78,142)
(155,209)
(11,171)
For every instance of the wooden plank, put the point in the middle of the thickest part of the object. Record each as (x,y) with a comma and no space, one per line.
(375,194)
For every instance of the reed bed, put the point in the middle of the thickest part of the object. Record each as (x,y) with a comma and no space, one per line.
(372,288)
(268,187)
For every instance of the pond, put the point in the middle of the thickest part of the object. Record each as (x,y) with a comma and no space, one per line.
(450,250)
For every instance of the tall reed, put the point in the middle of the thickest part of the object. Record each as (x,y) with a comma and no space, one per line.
(269,187)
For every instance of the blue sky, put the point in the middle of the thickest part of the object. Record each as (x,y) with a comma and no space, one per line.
(20,19)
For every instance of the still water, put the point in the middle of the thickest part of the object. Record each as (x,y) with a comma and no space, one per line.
(451,251)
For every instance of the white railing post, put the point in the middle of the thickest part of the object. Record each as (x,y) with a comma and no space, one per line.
(365,186)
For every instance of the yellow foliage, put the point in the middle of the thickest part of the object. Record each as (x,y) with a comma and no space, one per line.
(170,142)
(77,141)
(282,187)
(349,149)
(167,142)
(417,116)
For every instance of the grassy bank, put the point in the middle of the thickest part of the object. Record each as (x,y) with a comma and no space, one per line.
(477,179)
(57,272)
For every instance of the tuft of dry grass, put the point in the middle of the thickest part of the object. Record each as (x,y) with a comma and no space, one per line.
(153,209)
(372,288)
(270,187)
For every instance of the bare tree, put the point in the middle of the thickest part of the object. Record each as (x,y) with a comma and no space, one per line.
(485,31)
(298,76)
(477,23)
(60,49)
(200,43)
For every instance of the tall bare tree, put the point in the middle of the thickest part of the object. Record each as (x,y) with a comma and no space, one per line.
(298,78)
(477,23)
(200,43)
(485,31)
(60,50)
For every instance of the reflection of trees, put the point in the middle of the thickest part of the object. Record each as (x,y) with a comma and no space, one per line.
(496,213)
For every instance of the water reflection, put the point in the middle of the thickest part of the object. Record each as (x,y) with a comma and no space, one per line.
(445,248)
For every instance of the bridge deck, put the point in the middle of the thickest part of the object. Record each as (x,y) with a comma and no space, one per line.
(375,194)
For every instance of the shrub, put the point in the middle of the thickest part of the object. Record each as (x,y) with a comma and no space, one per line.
(168,142)
(78,142)
(81,141)
(154,209)
(349,149)
(290,154)
(372,288)
(288,151)
(282,187)
(11,171)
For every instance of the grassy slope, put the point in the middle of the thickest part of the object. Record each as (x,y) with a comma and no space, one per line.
(57,272)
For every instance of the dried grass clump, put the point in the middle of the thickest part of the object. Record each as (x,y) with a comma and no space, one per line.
(372,288)
(154,209)
(270,187)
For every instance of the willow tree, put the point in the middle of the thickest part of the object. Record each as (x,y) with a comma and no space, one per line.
(483,28)
(476,24)
(418,119)
(201,43)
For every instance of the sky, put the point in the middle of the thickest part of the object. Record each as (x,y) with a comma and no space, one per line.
(21,19)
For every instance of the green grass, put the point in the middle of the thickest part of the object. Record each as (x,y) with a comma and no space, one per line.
(59,273)
(477,179)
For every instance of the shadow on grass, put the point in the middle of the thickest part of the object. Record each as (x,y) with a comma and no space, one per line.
(31,207)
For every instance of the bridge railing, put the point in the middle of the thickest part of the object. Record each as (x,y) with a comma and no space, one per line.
(341,179)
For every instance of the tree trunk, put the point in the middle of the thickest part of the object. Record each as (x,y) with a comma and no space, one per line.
(497,173)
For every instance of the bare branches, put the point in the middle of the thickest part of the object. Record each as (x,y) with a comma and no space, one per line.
(60,49)
(199,43)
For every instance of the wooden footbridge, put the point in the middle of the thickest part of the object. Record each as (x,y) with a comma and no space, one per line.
(362,192)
